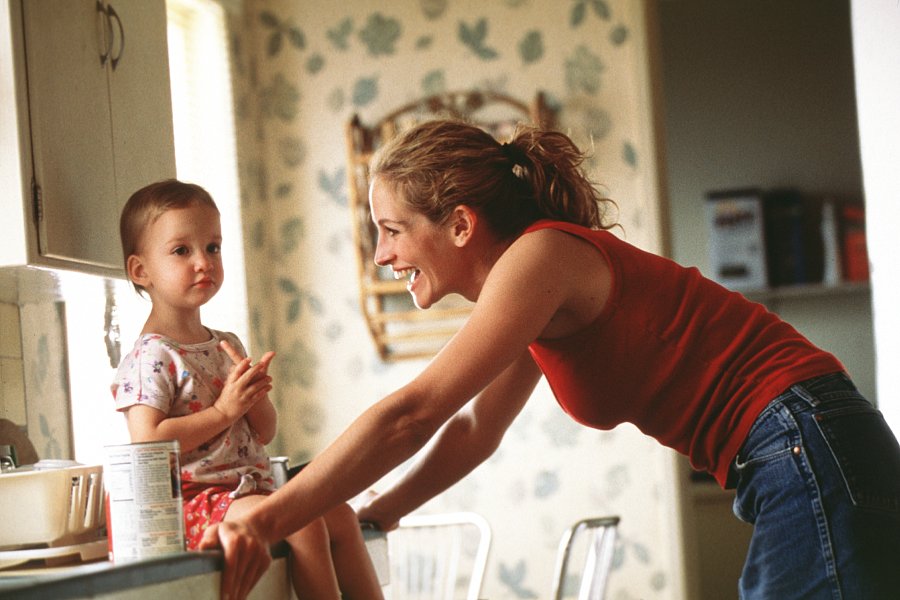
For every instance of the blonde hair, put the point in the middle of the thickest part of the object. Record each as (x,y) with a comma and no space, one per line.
(438,165)
(146,205)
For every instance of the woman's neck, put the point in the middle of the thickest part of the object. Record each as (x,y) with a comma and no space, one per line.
(484,254)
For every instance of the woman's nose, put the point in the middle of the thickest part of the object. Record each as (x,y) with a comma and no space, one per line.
(382,254)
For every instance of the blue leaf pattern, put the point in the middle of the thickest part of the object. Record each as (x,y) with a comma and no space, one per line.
(474,37)
(333,185)
(513,578)
(340,34)
(531,48)
(280,99)
(364,91)
(380,34)
(433,9)
(583,71)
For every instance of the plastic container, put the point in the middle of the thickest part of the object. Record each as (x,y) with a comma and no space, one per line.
(58,506)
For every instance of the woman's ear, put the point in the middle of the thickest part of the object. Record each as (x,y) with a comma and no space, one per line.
(136,271)
(463,222)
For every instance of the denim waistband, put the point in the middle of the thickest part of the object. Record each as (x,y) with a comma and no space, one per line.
(833,382)
(802,396)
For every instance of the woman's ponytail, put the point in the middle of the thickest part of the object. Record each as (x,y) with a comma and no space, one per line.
(558,184)
(438,165)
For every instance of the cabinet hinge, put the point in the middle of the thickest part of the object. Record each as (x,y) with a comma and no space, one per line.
(37,202)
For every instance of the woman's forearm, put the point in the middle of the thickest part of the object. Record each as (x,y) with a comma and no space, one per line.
(455,453)
(467,440)
(389,432)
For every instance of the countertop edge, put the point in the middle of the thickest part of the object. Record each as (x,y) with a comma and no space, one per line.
(98,578)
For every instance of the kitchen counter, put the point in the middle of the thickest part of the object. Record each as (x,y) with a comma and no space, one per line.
(186,576)
(191,575)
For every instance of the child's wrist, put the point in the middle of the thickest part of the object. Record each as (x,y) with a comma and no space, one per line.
(222,414)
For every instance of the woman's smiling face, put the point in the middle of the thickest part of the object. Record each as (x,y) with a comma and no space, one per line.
(412,246)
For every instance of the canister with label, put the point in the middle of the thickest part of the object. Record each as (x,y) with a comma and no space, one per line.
(144,512)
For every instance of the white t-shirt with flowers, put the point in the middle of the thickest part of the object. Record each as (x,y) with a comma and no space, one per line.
(181,379)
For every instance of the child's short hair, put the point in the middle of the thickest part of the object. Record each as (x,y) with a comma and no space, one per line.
(146,205)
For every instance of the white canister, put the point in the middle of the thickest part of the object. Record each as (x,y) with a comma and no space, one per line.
(144,514)
(279,468)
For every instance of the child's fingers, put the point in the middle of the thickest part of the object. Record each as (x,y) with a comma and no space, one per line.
(237,358)
(267,358)
(231,352)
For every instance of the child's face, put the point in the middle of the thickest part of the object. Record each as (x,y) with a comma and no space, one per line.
(179,262)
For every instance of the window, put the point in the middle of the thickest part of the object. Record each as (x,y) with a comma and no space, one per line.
(104,318)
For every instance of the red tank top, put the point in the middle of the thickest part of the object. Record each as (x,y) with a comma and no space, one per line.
(687,361)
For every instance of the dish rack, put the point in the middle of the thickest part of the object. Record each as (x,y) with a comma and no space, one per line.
(51,507)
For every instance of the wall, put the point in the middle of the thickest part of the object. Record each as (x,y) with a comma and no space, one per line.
(12,379)
(302,69)
(35,390)
(763,96)
(876,29)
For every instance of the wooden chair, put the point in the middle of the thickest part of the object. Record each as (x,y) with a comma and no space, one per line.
(398,329)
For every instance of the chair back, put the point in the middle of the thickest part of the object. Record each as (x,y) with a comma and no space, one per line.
(584,559)
(438,557)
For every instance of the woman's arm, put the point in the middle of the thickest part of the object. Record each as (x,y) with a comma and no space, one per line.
(468,439)
(519,298)
(524,291)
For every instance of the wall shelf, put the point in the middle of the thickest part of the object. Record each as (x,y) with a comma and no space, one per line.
(809,290)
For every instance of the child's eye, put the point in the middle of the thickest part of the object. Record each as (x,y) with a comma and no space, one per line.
(214,248)
(180,251)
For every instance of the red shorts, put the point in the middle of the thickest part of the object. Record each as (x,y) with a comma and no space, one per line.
(204,505)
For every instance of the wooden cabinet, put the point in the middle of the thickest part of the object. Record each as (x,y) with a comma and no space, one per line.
(94,119)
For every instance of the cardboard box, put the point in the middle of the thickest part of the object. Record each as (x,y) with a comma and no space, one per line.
(737,251)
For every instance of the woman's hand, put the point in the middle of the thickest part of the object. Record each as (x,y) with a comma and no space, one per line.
(246,557)
(366,512)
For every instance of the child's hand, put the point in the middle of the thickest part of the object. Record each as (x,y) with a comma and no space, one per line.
(237,358)
(246,385)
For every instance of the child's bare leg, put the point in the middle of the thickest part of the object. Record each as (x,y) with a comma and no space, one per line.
(352,563)
(312,571)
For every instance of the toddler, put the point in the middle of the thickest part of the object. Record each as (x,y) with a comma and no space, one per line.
(183,381)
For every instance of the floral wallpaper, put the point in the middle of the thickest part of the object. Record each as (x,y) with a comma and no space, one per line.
(302,70)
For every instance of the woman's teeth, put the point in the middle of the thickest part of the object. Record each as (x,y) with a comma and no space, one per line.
(402,273)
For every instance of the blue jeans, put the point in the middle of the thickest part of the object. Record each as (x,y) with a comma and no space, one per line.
(819,478)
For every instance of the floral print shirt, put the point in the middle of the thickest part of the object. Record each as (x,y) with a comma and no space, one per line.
(181,379)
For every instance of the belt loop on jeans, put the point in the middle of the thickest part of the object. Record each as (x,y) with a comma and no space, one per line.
(808,390)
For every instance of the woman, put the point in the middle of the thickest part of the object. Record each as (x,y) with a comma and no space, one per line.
(621,335)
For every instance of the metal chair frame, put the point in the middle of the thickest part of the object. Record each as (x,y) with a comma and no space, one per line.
(598,561)
(446,575)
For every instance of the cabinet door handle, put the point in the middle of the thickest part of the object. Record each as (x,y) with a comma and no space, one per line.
(104,56)
(114,15)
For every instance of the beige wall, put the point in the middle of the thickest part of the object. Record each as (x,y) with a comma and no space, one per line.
(12,381)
